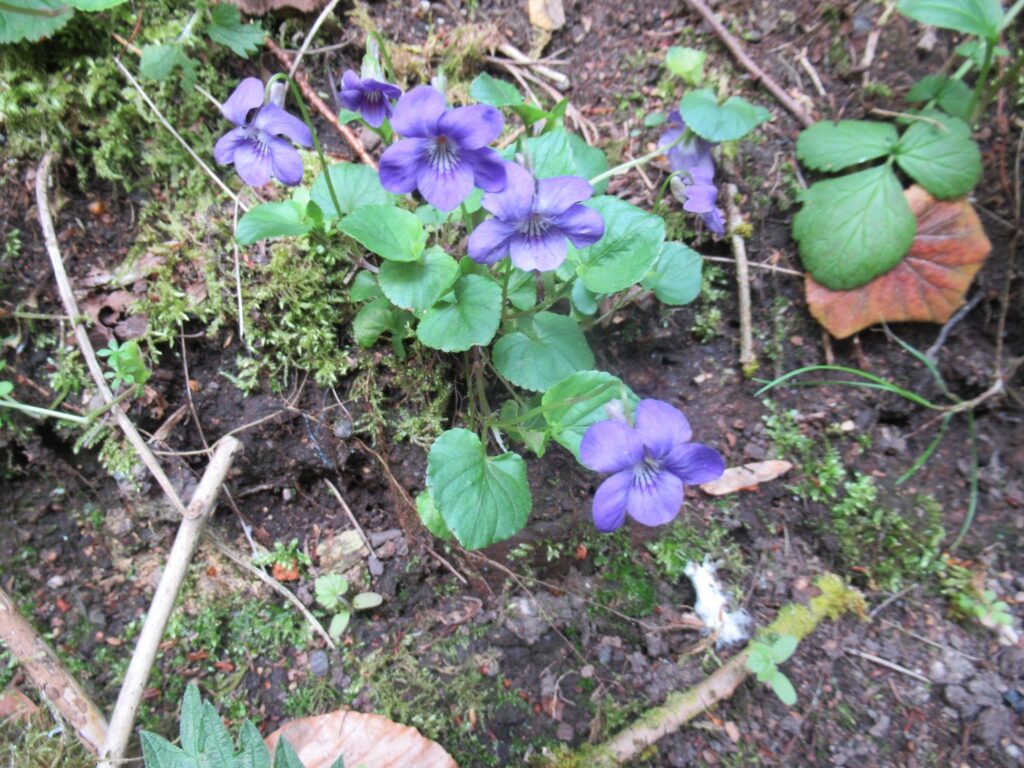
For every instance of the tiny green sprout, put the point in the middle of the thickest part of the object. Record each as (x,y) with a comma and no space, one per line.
(330,590)
(285,555)
(763,660)
(126,364)
(686,63)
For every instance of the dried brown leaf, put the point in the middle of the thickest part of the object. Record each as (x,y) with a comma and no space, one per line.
(360,739)
(927,286)
(746,477)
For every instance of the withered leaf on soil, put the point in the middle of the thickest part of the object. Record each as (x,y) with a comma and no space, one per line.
(927,286)
(360,739)
(746,477)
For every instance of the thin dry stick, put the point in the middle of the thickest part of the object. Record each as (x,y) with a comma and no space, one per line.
(757,265)
(274,584)
(47,673)
(747,63)
(348,511)
(326,112)
(739,252)
(561,81)
(82,337)
(185,543)
(166,124)
(887,664)
(310,35)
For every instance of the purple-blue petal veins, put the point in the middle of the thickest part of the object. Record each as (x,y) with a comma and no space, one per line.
(370,98)
(260,146)
(652,461)
(541,217)
(449,156)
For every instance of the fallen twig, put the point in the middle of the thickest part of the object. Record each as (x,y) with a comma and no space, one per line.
(887,664)
(325,111)
(310,35)
(359,529)
(47,673)
(82,337)
(748,361)
(200,508)
(561,81)
(759,74)
(681,707)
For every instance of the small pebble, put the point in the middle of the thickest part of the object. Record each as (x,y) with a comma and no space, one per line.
(319,664)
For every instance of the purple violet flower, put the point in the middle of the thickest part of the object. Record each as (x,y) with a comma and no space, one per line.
(259,146)
(369,97)
(444,151)
(651,462)
(533,219)
(695,187)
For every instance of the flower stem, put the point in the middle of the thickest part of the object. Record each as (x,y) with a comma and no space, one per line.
(316,142)
(623,167)
(986,65)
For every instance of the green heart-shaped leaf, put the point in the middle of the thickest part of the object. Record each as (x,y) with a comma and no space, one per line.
(552,348)
(483,500)
(833,146)
(623,256)
(578,401)
(944,160)
(388,231)
(467,317)
(716,122)
(417,285)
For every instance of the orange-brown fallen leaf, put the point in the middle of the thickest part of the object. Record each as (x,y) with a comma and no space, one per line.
(746,477)
(15,705)
(370,740)
(927,286)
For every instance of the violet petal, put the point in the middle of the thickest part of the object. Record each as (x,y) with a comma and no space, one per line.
(610,446)
(471,127)
(399,164)
(657,501)
(661,426)
(245,98)
(694,463)
(583,225)
(610,501)
(488,243)
(514,202)
(555,195)
(277,122)
(254,167)
(417,112)
(444,189)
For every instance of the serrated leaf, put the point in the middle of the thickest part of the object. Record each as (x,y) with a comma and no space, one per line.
(339,623)
(578,401)
(284,219)
(284,755)
(833,146)
(431,518)
(160,753)
(947,162)
(366,600)
(482,499)
(951,94)
(190,728)
(417,285)
(627,251)
(32,20)
(928,285)
(550,348)
(390,232)
(716,122)
(983,18)
(226,28)
(158,62)
(218,748)
(467,317)
(676,277)
(254,751)
(784,689)
(497,93)
(783,648)
(355,184)
(853,228)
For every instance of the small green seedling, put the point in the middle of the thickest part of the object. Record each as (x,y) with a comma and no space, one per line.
(205,741)
(330,593)
(126,364)
(763,660)
(286,560)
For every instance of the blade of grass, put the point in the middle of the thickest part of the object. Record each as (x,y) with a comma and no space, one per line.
(877,381)
(972,504)
(923,458)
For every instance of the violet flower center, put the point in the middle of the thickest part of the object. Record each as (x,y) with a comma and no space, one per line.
(645,472)
(534,225)
(373,97)
(443,154)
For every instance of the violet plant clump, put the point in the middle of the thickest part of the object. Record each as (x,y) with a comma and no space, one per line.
(513,257)
(370,97)
(690,157)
